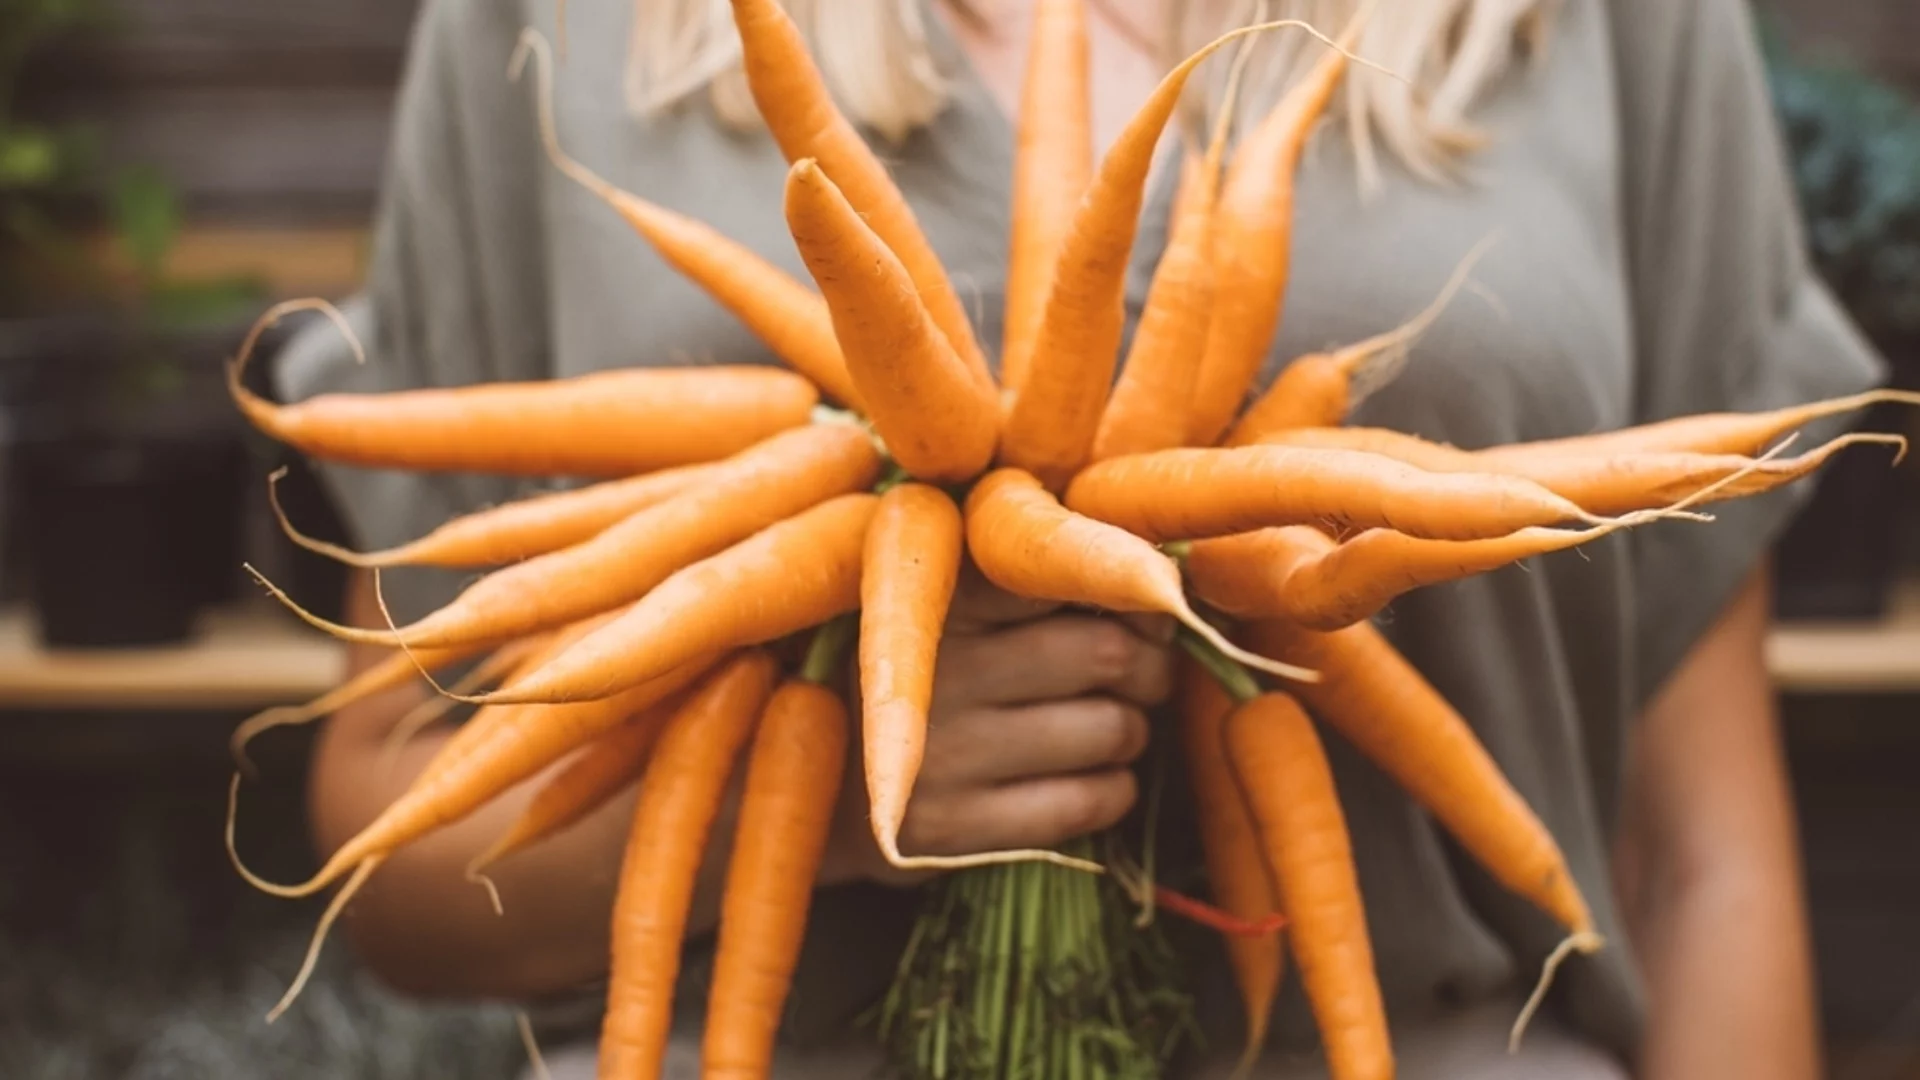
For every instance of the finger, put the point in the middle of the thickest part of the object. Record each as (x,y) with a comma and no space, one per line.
(978,604)
(1157,629)
(991,746)
(1034,813)
(1061,656)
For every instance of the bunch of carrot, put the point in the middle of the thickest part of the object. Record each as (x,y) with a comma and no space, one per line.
(634,623)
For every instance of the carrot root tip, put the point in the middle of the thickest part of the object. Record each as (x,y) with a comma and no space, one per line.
(1585,942)
(290,892)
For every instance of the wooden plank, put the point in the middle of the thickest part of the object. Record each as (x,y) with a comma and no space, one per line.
(238,659)
(1851,658)
(317,261)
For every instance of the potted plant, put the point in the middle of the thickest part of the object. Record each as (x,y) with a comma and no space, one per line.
(1854,144)
(126,469)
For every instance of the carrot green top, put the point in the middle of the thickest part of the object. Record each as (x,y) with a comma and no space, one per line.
(1648,265)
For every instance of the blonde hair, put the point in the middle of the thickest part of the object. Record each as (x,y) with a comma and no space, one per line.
(879,62)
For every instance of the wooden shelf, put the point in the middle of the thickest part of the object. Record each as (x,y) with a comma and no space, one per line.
(237,659)
(255,657)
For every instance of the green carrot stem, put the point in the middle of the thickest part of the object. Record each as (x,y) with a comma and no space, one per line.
(829,648)
(1236,680)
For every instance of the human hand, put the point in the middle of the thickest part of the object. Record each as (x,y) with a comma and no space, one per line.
(1036,715)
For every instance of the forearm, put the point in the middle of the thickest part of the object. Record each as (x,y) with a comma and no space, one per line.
(1714,896)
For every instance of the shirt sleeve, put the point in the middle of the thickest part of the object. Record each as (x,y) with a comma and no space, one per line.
(456,285)
(1729,314)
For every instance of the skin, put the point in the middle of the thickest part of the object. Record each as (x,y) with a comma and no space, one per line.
(1036,714)
(1708,867)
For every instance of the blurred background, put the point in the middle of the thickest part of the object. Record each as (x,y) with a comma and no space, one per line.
(169,167)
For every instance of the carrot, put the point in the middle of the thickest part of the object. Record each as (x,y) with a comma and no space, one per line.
(514,745)
(792,98)
(614,423)
(598,772)
(1288,784)
(396,670)
(517,530)
(680,796)
(938,421)
(1382,704)
(1319,389)
(1052,168)
(785,578)
(772,304)
(1025,542)
(1706,433)
(1055,414)
(1229,841)
(499,665)
(781,476)
(1299,574)
(1191,494)
(1602,482)
(1254,224)
(908,574)
(786,812)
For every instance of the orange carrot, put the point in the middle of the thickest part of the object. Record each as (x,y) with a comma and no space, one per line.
(1057,410)
(908,573)
(1254,224)
(1707,433)
(786,812)
(1236,862)
(771,303)
(765,484)
(1052,167)
(1190,494)
(792,98)
(1382,704)
(514,745)
(1150,403)
(517,530)
(680,796)
(1284,774)
(1602,482)
(1319,389)
(396,670)
(939,422)
(785,578)
(499,665)
(601,770)
(614,423)
(1024,541)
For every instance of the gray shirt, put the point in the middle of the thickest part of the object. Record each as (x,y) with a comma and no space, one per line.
(1649,265)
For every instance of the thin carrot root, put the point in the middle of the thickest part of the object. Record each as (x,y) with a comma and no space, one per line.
(268,319)
(319,547)
(1254,660)
(327,918)
(475,875)
(1375,362)
(1586,943)
(524,1024)
(287,892)
(486,674)
(985,858)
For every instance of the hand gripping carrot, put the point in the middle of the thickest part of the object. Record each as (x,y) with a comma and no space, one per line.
(1284,774)
(1050,429)
(1318,390)
(613,423)
(765,484)
(1382,704)
(517,530)
(786,812)
(1025,542)
(908,574)
(1229,841)
(777,308)
(1191,494)
(1254,223)
(680,796)
(1052,166)
(785,578)
(793,100)
(939,422)
(1602,482)
(1707,433)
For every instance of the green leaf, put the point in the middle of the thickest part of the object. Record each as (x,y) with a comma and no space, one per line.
(28,159)
(147,214)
